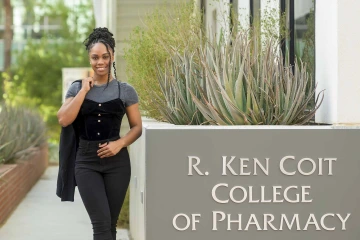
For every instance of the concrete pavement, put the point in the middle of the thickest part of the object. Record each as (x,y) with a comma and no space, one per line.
(42,216)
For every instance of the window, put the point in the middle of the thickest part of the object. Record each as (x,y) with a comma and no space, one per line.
(291,20)
(304,32)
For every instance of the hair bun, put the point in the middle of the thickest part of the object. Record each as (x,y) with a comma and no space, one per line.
(103,31)
(100,34)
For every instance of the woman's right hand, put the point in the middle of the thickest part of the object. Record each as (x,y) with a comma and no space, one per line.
(87,84)
(71,107)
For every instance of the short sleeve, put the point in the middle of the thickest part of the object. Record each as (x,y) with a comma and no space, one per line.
(131,96)
(73,90)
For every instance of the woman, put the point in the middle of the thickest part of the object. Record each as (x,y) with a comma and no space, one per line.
(95,107)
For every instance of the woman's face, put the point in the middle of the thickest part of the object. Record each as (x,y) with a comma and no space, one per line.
(100,59)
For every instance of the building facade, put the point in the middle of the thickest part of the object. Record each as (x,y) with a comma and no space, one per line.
(329,24)
(121,17)
(323,31)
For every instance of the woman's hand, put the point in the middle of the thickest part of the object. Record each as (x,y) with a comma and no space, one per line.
(108,150)
(87,84)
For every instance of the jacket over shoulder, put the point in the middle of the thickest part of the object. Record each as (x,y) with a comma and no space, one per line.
(69,142)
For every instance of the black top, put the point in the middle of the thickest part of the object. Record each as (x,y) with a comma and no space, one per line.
(99,121)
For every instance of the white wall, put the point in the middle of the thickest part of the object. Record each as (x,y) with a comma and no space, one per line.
(217,17)
(326,58)
(337,65)
(269,8)
(105,14)
(348,61)
(244,13)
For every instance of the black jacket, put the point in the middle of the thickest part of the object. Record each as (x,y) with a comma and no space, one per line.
(69,142)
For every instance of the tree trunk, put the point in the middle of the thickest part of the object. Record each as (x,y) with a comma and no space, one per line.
(8,37)
(8,33)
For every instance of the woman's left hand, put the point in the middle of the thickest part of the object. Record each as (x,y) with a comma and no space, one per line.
(108,150)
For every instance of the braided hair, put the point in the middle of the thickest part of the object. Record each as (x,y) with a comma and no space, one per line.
(102,35)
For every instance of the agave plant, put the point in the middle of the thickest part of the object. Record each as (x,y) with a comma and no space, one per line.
(248,84)
(181,74)
(21,131)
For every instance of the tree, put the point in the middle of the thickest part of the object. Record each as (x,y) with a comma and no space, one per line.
(37,76)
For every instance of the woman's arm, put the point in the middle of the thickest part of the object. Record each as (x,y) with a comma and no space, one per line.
(134,117)
(71,107)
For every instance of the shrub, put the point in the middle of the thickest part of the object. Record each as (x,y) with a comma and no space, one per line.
(237,83)
(167,62)
(21,132)
(180,74)
(178,27)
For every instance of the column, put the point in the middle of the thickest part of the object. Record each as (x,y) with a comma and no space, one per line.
(337,60)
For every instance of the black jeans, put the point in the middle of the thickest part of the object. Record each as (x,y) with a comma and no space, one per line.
(102,183)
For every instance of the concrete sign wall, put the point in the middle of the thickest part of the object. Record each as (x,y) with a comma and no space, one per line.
(251,183)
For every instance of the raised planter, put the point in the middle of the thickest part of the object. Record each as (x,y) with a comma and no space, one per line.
(17,179)
(170,199)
